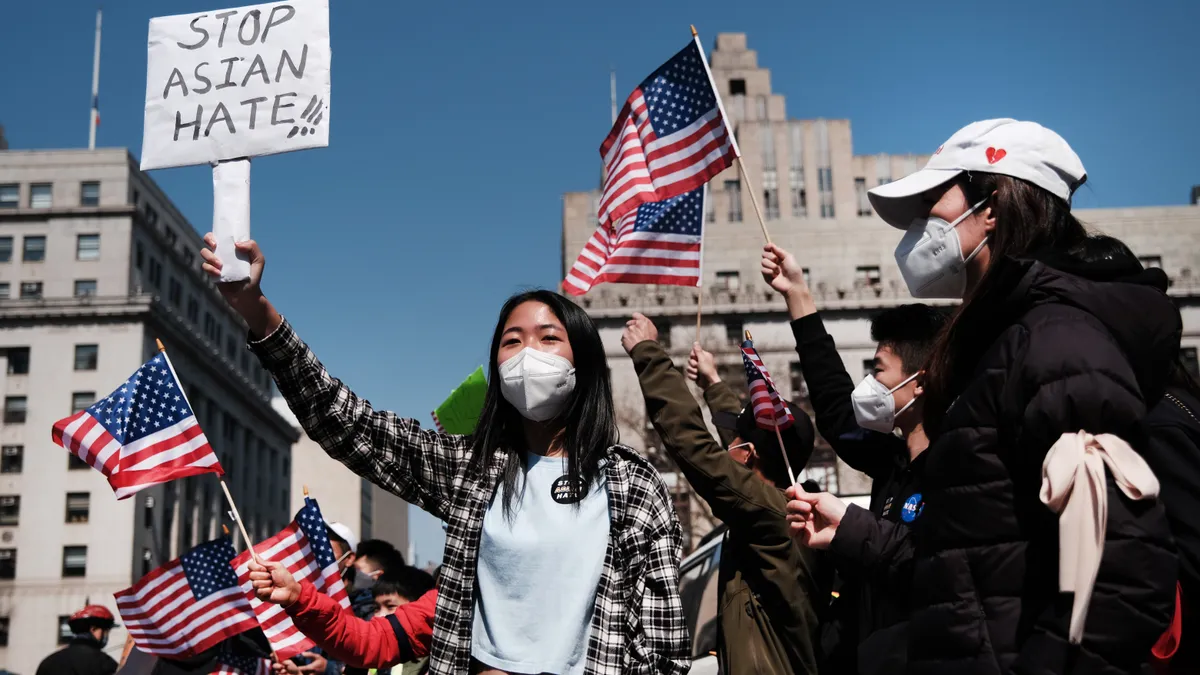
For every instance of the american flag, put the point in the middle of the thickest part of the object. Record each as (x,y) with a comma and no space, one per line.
(769,407)
(142,434)
(303,547)
(437,422)
(670,137)
(188,605)
(659,243)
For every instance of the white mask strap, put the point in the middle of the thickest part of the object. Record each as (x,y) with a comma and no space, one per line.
(910,378)
(343,557)
(968,212)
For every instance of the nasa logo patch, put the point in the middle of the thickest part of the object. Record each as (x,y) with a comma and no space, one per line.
(912,508)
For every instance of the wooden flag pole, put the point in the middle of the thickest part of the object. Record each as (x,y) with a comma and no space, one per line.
(753,200)
(699,308)
(237,517)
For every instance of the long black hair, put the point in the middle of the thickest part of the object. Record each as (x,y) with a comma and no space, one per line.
(589,421)
(1028,219)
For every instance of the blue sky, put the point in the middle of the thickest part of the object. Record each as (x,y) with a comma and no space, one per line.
(456,127)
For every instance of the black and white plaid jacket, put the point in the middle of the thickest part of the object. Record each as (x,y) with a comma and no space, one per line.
(638,624)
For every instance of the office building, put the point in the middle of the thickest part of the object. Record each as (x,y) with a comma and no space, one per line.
(95,265)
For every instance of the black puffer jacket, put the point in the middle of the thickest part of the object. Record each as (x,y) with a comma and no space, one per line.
(1050,353)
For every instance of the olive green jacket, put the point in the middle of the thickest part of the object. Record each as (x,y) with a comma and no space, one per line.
(771,589)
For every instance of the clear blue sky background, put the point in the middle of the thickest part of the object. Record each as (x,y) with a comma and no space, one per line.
(456,127)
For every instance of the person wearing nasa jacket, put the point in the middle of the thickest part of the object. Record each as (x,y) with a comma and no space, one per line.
(876,428)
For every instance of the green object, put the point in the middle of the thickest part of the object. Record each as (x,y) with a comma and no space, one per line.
(459,413)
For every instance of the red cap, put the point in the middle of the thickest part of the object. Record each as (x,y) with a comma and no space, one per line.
(95,614)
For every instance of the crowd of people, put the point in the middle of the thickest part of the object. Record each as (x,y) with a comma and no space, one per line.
(1033,453)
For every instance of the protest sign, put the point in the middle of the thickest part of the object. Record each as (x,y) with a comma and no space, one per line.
(459,413)
(235,83)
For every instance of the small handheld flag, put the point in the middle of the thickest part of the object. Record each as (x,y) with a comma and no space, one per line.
(188,605)
(770,410)
(671,136)
(142,434)
(657,243)
(303,547)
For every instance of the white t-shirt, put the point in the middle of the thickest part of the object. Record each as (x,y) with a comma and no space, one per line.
(538,573)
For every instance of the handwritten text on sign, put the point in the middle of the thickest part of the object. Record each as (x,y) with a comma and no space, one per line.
(237,83)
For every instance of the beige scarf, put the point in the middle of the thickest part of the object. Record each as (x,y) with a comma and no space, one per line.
(1073,486)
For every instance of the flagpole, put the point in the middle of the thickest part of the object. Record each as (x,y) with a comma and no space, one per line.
(237,516)
(95,88)
(700,278)
(732,138)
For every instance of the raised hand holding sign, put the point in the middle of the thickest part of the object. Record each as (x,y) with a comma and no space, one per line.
(227,85)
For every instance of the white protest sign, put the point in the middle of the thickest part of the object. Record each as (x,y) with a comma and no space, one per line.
(235,83)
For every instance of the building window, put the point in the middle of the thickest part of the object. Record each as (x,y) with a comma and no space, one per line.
(12,458)
(18,360)
(799,202)
(733,191)
(734,375)
(3,631)
(6,249)
(10,510)
(860,193)
(231,347)
(193,309)
(139,257)
(730,280)
(1150,261)
(34,249)
(737,87)
(10,196)
(174,291)
(768,147)
(80,400)
(771,194)
(77,507)
(86,357)
(1191,362)
(85,288)
(867,276)
(5,291)
(210,327)
(64,629)
(14,409)
(734,331)
(74,561)
(31,290)
(155,272)
(89,193)
(87,247)
(825,187)
(41,196)
(76,464)
(8,563)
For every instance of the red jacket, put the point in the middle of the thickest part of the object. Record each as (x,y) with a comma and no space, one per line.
(365,644)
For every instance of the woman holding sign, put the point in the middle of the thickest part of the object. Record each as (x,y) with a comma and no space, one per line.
(562,547)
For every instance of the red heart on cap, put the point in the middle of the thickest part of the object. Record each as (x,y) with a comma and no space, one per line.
(995,155)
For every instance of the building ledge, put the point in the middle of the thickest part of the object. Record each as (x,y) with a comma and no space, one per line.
(74,308)
(25,213)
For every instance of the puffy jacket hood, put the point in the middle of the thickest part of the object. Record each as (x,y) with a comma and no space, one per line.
(1129,300)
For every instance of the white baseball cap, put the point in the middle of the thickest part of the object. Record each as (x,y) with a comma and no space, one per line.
(345,533)
(1025,150)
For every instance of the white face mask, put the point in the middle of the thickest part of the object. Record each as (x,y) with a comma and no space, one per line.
(931,259)
(536,383)
(874,406)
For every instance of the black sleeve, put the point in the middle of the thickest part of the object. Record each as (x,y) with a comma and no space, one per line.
(829,389)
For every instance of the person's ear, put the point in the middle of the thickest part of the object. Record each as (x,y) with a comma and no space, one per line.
(989,216)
